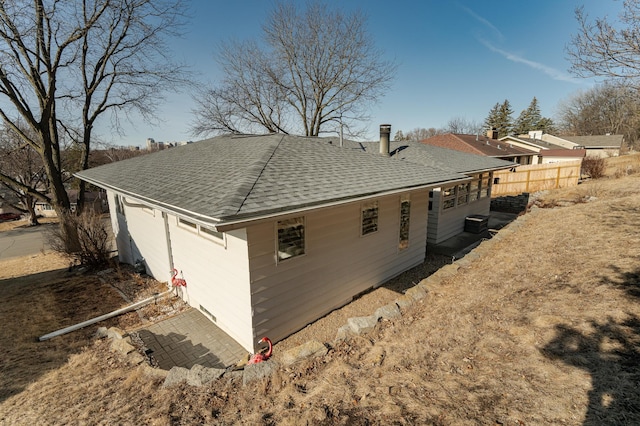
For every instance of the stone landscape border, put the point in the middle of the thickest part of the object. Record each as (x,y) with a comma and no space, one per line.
(355,326)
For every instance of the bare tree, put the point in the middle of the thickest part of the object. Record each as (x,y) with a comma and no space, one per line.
(606,108)
(313,67)
(420,133)
(461,125)
(20,161)
(605,49)
(64,64)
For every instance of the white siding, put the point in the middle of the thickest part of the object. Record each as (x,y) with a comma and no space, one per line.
(444,224)
(338,263)
(121,231)
(147,238)
(217,278)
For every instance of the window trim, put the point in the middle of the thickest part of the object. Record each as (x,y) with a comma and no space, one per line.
(406,198)
(303,223)
(373,227)
(197,229)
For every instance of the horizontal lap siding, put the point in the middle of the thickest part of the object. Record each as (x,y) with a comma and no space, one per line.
(217,278)
(120,230)
(338,263)
(148,240)
(451,222)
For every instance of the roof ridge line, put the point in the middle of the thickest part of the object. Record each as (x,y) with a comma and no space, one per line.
(254,171)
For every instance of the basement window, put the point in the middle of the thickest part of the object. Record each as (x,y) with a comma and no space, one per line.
(369,218)
(203,231)
(290,238)
(405,211)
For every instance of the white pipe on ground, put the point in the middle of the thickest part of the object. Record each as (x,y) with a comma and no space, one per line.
(105,316)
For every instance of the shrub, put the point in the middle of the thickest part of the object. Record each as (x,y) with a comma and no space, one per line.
(593,167)
(93,235)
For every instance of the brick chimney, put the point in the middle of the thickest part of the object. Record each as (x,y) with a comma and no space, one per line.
(492,133)
(385,133)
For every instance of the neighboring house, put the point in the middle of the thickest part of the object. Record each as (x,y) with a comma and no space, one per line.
(548,156)
(488,146)
(601,146)
(449,205)
(534,142)
(95,200)
(272,232)
(595,146)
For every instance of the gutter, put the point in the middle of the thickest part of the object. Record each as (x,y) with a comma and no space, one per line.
(230,225)
(105,316)
(223,226)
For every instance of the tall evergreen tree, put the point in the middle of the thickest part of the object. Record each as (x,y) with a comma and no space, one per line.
(492,119)
(529,119)
(500,118)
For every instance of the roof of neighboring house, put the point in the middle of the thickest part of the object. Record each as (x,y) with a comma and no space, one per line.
(476,144)
(563,152)
(600,141)
(231,177)
(535,142)
(434,156)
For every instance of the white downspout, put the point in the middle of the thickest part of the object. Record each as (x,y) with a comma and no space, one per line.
(105,316)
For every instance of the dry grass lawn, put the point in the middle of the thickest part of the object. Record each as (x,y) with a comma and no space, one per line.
(544,328)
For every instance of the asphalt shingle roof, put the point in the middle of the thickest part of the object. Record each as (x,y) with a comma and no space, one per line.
(236,177)
(434,156)
(476,144)
(598,141)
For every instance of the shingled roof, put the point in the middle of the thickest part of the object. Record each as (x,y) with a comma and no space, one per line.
(597,141)
(434,156)
(476,144)
(229,178)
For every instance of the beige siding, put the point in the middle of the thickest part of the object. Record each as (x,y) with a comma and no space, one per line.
(444,224)
(338,263)
(217,276)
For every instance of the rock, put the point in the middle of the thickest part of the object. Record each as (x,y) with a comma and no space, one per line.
(176,375)
(115,333)
(310,349)
(258,371)
(122,345)
(200,375)
(359,325)
(101,332)
(388,311)
(343,333)
(404,301)
(416,293)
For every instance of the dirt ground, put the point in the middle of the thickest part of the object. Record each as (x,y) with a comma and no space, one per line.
(542,329)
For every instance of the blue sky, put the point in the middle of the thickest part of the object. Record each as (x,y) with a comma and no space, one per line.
(455,58)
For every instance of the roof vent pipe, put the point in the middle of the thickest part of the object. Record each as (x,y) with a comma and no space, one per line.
(385,133)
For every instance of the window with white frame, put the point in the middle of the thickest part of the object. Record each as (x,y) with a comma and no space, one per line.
(463,194)
(474,189)
(290,238)
(448,198)
(485,185)
(405,214)
(203,231)
(369,218)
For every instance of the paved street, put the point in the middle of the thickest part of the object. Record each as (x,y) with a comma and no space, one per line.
(24,241)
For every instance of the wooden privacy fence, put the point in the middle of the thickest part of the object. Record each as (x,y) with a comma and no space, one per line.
(536,177)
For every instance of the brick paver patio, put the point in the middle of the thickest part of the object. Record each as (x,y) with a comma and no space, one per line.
(188,339)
